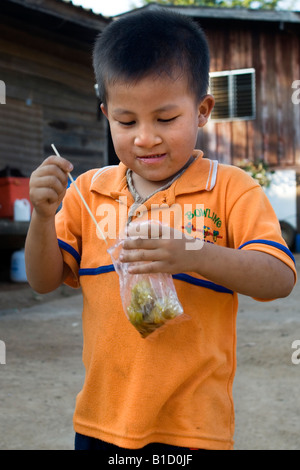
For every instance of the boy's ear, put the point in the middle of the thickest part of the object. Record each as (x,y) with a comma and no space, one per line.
(205,108)
(104,110)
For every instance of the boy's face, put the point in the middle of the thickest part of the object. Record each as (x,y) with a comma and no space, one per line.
(154,124)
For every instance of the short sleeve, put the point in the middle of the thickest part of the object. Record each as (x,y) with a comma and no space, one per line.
(253,224)
(68,230)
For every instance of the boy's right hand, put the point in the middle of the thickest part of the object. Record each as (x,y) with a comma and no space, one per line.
(48,184)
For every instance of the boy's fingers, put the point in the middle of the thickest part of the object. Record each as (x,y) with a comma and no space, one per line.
(132,256)
(49,176)
(141,243)
(61,162)
(147,229)
(147,268)
(57,183)
(46,194)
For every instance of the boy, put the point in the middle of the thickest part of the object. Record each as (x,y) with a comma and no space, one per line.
(174,388)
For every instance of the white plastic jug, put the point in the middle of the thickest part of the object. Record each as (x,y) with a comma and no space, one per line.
(22,210)
(17,267)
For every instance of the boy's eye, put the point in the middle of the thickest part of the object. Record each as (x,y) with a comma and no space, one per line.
(130,123)
(167,120)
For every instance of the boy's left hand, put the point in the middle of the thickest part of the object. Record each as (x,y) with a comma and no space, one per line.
(160,248)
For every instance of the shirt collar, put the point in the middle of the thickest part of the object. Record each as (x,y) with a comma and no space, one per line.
(199,176)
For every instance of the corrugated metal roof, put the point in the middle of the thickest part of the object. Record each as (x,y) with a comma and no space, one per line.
(80,7)
(242,14)
(61,8)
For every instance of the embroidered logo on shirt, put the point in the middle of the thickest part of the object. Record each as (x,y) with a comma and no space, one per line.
(205,213)
(209,234)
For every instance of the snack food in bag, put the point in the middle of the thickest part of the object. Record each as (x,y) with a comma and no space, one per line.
(149,300)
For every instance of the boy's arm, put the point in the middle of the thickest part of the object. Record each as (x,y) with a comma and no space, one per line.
(44,262)
(252,273)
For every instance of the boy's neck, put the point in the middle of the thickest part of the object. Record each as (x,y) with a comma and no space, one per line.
(144,187)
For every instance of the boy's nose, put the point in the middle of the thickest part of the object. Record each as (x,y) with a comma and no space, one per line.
(147,138)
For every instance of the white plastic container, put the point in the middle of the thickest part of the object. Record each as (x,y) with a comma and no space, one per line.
(17,267)
(22,210)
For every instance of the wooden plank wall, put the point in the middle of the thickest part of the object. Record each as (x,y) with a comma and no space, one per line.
(50,98)
(21,130)
(274,135)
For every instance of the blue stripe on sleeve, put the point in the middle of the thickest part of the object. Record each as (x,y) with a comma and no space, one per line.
(94,271)
(201,283)
(279,246)
(65,246)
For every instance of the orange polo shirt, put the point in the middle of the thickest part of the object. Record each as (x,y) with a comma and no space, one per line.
(174,387)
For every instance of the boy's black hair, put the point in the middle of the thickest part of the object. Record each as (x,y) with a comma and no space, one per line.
(151,42)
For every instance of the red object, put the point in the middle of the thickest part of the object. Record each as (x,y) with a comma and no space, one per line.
(12,188)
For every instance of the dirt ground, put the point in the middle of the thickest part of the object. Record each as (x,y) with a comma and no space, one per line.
(43,371)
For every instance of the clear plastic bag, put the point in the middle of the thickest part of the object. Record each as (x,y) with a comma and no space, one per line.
(149,300)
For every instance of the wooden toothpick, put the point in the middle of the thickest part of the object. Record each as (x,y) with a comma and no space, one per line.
(82,198)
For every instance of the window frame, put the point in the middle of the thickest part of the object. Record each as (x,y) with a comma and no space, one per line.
(231,74)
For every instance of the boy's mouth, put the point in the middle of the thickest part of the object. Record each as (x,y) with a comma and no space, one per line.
(152,158)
